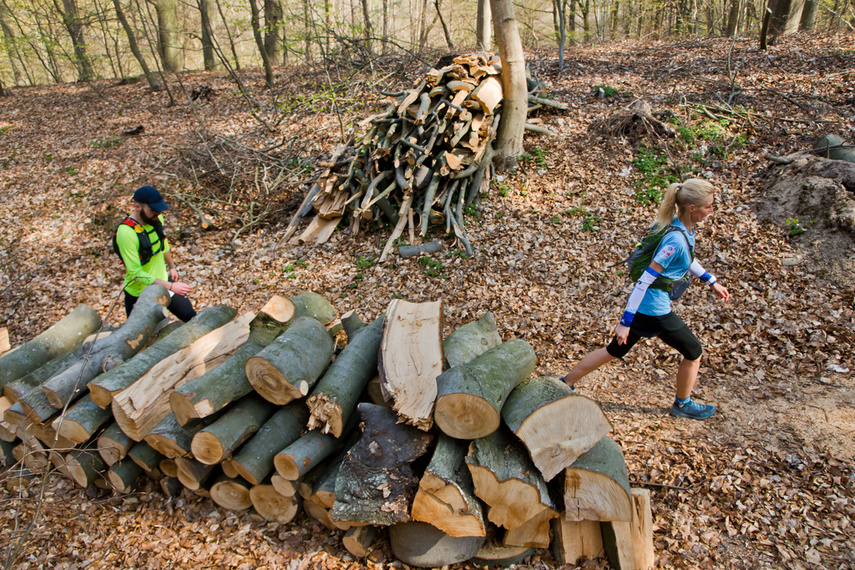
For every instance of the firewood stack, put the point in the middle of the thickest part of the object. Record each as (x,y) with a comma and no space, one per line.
(421,162)
(446,440)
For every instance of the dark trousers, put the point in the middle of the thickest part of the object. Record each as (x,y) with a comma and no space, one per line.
(179,306)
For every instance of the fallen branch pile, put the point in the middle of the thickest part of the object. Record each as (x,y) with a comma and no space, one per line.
(262,411)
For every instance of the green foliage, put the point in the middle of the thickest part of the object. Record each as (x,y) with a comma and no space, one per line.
(4,129)
(604,91)
(72,170)
(363,262)
(556,219)
(795,227)
(504,189)
(536,157)
(108,142)
(432,267)
(591,223)
(656,172)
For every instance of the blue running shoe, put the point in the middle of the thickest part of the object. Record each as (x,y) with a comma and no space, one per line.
(693,410)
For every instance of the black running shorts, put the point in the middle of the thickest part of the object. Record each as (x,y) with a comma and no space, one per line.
(670,328)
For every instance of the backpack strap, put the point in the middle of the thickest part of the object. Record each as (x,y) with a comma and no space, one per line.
(665,283)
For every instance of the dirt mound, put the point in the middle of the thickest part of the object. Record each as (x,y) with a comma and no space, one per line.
(813,200)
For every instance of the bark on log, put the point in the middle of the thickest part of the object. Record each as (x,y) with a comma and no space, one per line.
(216,442)
(106,385)
(471,340)
(446,496)
(554,424)
(231,494)
(576,541)
(411,359)
(376,482)
(420,544)
(629,545)
(6,458)
(171,486)
(84,466)
(124,476)
(289,366)
(114,444)
(358,540)
(36,406)
(507,481)
(334,399)
(298,458)
(123,343)
(273,506)
(142,405)
(471,395)
(7,432)
(193,473)
(172,439)
(45,432)
(147,457)
(22,386)
(64,336)
(596,486)
(81,421)
(216,389)
(254,461)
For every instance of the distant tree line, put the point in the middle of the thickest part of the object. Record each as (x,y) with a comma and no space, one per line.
(47,41)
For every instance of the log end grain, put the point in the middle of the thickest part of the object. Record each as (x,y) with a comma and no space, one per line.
(286,467)
(271,384)
(273,506)
(465,416)
(207,448)
(231,494)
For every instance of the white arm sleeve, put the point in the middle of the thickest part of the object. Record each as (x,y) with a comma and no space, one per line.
(698,271)
(646,280)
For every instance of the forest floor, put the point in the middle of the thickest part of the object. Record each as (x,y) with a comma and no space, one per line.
(768,482)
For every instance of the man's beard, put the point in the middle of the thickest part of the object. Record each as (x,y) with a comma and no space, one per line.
(146,220)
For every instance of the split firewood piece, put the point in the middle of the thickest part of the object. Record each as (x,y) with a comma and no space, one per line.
(216,389)
(254,461)
(318,231)
(192,473)
(14,416)
(376,482)
(34,454)
(471,340)
(420,544)
(147,457)
(488,94)
(596,486)
(7,432)
(358,540)
(576,541)
(506,480)
(411,359)
(104,386)
(334,399)
(82,420)
(173,439)
(124,475)
(289,366)
(123,343)
(534,533)
(272,506)
(142,405)
(446,496)
(231,494)
(495,554)
(5,345)
(64,336)
(629,545)
(471,395)
(554,424)
(84,465)
(216,442)
(114,444)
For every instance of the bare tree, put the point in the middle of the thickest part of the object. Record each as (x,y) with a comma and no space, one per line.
(259,42)
(135,49)
(73,23)
(168,39)
(515,101)
(208,58)
(483,28)
(273,22)
(10,44)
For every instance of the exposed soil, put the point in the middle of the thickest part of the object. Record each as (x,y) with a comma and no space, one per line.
(766,483)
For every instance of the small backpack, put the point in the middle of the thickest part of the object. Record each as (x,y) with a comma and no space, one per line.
(641,257)
(146,248)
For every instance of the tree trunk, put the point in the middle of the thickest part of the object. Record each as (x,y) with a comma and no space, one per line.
(471,396)
(483,28)
(208,57)
(808,19)
(232,494)
(733,17)
(289,366)
(515,105)
(140,406)
(446,496)
(12,46)
(304,454)
(82,420)
(376,482)
(471,340)
(135,48)
(216,442)
(368,30)
(422,545)
(411,359)
(123,343)
(334,399)
(273,506)
(168,35)
(785,17)
(259,42)
(254,461)
(596,486)
(71,20)
(507,481)
(555,425)
(63,337)
(273,22)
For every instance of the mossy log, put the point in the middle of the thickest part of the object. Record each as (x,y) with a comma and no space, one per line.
(288,367)
(471,396)
(82,420)
(84,466)
(555,425)
(471,340)
(124,475)
(216,442)
(147,457)
(114,444)
(596,486)
(254,461)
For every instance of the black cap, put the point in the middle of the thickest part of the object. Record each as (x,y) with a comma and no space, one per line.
(150,196)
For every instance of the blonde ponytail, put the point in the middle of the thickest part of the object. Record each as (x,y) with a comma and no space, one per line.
(678,196)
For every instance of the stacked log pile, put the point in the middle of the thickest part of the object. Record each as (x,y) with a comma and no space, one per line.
(447,441)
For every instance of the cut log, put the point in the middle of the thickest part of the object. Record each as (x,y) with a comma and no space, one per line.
(411,359)
(36,405)
(358,540)
(446,496)
(554,424)
(147,457)
(7,431)
(45,433)
(7,460)
(81,421)
(284,486)
(5,345)
(376,483)
(507,481)
(84,466)
(334,399)
(19,388)
(273,506)
(114,444)
(596,486)
(494,554)
(172,439)
(124,476)
(420,544)
(193,473)
(534,533)
(117,379)
(471,395)
(227,383)
(320,483)
(64,336)
(216,442)
(576,541)
(629,545)
(471,340)
(169,468)
(298,458)
(289,366)
(254,461)
(171,486)
(142,405)
(231,494)
(14,416)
